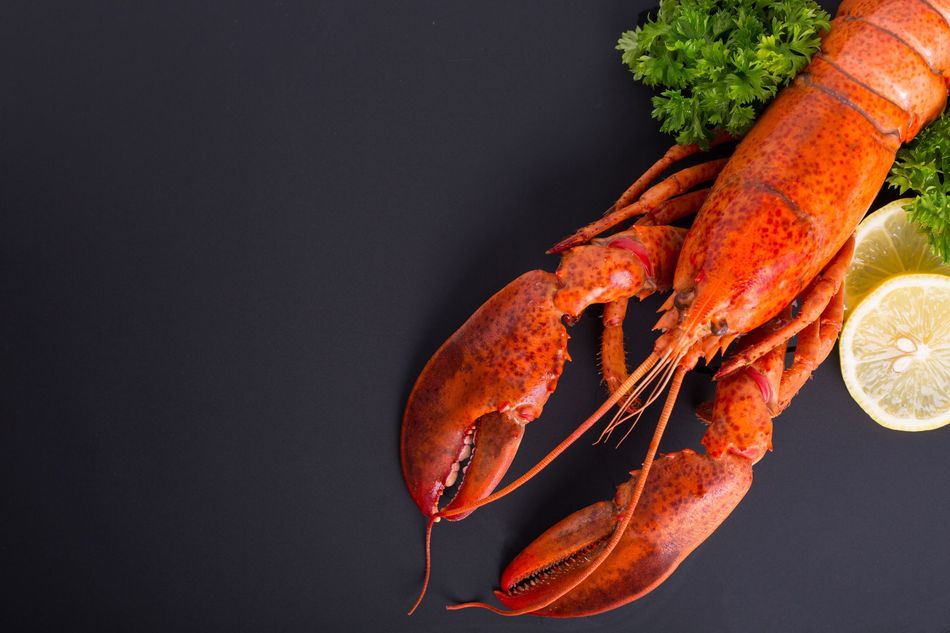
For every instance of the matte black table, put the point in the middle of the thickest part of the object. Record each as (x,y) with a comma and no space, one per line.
(232,234)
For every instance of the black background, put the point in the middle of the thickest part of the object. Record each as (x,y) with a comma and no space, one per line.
(233,232)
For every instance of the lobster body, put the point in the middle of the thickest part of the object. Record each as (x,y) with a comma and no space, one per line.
(775,227)
(803,177)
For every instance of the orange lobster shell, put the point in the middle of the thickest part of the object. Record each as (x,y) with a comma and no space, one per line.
(775,227)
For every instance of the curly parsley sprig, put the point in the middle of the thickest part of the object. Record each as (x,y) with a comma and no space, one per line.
(921,166)
(719,61)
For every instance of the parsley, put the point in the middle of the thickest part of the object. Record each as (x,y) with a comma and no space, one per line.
(921,166)
(719,61)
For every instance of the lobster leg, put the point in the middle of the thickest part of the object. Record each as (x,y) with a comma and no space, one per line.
(814,302)
(814,344)
(672,155)
(675,185)
(675,208)
(613,358)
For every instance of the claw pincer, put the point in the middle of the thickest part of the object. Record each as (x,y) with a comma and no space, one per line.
(479,389)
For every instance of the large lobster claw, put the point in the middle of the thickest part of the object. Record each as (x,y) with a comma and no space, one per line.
(474,396)
(495,373)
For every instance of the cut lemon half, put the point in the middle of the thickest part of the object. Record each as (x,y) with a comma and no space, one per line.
(895,353)
(887,244)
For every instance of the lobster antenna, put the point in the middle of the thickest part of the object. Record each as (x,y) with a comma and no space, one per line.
(625,517)
(662,369)
(656,394)
(560,448)
(425,581)
(622,415)
(660,366)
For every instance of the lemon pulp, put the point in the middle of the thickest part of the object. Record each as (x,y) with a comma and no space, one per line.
(895,352)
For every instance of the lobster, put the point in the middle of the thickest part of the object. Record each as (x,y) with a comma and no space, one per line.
(772,233)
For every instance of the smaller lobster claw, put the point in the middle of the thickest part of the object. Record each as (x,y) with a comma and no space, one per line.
(477,392)
(688,496)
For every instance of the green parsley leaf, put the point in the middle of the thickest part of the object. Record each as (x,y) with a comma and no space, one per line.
(717,62)
(921,166)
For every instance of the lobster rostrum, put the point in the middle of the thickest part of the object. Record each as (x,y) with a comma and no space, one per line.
(775,227)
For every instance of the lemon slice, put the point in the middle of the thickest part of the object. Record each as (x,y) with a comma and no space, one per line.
(895,353)
(887,244)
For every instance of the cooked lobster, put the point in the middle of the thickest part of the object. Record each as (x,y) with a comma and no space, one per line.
(772,232)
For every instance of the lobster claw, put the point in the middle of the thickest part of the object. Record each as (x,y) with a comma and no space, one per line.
(688,496)
(473,398)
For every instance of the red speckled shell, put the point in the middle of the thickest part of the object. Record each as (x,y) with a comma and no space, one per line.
(506,357)
(600,273)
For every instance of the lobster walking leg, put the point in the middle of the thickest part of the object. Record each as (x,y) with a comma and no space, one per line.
(675,208)
(613,358)
(814,344)
(825,287)
(677,184)
(672,155)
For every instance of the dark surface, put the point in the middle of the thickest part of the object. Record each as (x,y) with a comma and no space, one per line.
(233,232)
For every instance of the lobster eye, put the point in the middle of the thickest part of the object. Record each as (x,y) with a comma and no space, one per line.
(718,327)
(684,298)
